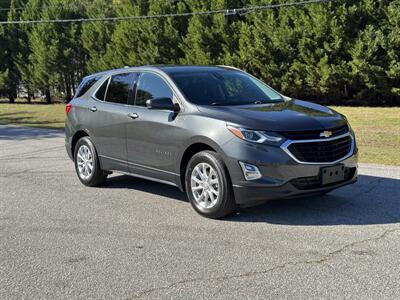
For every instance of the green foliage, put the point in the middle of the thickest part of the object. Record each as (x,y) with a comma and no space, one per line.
(206,36)
(343,52)
(392,30)
(97,35)
(9,74)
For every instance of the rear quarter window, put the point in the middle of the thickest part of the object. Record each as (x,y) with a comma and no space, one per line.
(101,92)
(85,85)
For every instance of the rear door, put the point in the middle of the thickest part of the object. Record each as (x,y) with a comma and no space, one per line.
(111,110)
(152,135)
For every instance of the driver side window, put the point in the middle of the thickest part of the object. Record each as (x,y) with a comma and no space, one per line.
(151,86)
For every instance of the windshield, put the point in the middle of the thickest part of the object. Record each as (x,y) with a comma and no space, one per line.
(224,88)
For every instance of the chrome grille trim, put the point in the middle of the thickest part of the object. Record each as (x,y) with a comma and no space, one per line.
(287,143)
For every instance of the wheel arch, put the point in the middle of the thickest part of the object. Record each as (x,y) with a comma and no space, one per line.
(197,145)
(79,134)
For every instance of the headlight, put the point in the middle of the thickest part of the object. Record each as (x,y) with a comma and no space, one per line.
(256,136)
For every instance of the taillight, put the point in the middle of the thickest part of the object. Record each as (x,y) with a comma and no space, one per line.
(68,108)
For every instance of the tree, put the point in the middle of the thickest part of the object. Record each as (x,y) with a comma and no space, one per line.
(96,36)
(22,60)
(393,48)
(57,58)
(369,57)
(343,52)
(206,40)
(9,73)
(133,42)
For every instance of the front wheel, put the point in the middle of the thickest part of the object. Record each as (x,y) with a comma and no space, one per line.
(208,185)
(87,164)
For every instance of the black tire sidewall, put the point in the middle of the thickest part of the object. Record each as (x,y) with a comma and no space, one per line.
(225,197)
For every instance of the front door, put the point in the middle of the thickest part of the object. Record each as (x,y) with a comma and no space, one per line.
(152,134)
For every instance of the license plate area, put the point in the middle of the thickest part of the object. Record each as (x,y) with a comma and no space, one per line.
(332,174)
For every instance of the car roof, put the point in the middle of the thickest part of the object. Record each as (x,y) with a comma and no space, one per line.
(168,69)
(194,68)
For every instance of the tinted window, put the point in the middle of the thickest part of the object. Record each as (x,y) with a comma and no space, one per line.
(118,89)
(224,88)
(101,92)
(150,87)
(85,85)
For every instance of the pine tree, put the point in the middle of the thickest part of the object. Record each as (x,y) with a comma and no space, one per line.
(268,46)
(57,58)
(369,59)
(341,52)
(206,41)
(393,45)
(9,73)
(3,43)
(96,36)
(22,60)
(168,31)
(133,42)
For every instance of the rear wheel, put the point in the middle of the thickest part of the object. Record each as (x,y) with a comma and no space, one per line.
(87,164)
(208,185)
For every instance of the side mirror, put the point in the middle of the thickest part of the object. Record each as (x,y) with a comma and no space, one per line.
(162,103)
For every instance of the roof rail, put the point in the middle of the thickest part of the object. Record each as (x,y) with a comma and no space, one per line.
(228,67)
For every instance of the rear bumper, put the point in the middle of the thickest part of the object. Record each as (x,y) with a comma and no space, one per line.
(68,149)
(68,142)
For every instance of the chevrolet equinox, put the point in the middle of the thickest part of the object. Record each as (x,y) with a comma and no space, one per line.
(218,133)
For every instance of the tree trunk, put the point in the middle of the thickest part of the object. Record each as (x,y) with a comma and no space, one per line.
(11,96)
(29,95)
(48,96)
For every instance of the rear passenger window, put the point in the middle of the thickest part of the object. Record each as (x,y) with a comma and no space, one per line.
(85,85)
(118,89)
(150,87)
(101,92)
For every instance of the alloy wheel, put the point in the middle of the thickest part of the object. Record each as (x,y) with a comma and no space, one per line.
(205,185)
(85,162)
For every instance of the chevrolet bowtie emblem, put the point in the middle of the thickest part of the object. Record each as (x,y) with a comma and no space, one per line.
(325,133)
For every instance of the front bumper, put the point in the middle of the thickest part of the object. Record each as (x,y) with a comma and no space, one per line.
(248,196)
(282,176)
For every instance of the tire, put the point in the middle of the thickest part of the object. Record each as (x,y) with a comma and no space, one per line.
(95,176)
(217,205)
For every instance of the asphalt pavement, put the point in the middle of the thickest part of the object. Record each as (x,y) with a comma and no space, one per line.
(134,238)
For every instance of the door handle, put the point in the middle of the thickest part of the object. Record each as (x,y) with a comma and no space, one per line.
(133,115)
(93,108)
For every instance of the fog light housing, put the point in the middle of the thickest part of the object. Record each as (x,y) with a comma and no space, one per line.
(250,172)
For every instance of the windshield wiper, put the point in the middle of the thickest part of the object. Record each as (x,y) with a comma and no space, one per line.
(266,101)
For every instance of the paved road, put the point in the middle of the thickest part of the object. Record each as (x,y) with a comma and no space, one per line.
(137,239)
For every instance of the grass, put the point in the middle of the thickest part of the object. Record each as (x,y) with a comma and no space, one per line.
(377,129)
(36,115)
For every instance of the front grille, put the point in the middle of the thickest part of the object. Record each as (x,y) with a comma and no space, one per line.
(321,151)
(313,134)
(314,182)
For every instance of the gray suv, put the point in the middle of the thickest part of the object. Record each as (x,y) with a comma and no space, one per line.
(216,132)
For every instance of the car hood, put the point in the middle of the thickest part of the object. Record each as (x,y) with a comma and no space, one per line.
(291,115)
